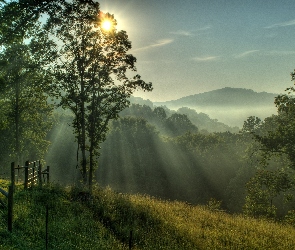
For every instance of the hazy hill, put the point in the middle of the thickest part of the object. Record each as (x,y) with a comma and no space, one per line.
(229,105)
(144,108)
(230,97)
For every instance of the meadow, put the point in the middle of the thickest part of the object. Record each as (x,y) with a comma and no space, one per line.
(111,220)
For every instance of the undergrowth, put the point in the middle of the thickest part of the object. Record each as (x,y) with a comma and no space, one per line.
(107,220)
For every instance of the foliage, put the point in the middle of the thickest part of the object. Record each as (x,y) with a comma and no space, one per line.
(89,64)
(251,125)
(91,74)
(263,188)
(25,114)
(178,124)
(137,158)
(275,175)
(134,164)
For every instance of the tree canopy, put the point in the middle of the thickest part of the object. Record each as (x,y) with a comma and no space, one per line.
(88,64)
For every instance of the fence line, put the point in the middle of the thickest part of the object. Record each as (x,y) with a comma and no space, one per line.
(9,196)
(33,175)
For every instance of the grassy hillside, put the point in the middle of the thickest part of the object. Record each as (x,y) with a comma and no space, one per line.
(104,221)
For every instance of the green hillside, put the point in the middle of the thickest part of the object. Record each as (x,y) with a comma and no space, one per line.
(107,219)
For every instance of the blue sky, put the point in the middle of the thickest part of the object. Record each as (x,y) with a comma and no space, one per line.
(194,46)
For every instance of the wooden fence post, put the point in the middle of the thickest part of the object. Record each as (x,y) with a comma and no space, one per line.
(10,207)
(46,227)
(26,174)
(40,175)
(12,178)
(33,175)
(48,174)
(130,239)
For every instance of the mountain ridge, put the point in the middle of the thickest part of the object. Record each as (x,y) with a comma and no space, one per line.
(231,106)
(225,96)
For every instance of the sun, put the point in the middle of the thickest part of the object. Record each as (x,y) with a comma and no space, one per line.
(106,25)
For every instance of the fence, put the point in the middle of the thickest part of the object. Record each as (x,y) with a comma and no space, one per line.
(33,174)
(9,196)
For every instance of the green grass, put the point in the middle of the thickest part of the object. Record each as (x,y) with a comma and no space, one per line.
(105,222)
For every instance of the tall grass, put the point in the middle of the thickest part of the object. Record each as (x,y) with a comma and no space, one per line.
(106,219)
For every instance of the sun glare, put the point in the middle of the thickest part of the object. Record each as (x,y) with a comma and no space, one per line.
(106,25)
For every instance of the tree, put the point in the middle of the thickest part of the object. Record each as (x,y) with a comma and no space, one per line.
(178,124)
(263,188)
(25,112)
(91,74)
(281,134)
(160,113)
(251,125)
(275,171)
(18,19)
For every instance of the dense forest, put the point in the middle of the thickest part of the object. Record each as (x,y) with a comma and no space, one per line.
(66,99)
(163,153)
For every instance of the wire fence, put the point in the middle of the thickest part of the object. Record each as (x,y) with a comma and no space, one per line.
(57,234)
(54,232)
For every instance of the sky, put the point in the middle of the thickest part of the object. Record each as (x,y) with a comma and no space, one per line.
(194,46)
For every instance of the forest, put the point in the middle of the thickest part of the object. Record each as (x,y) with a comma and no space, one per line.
(66,99)
(161,152)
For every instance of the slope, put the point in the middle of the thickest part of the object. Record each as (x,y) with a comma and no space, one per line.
(108,219)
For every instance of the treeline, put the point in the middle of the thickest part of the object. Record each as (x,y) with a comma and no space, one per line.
(200,119)
(163,153)
(160,152)
(168,156)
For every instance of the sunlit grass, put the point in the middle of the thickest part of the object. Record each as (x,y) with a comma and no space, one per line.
(106,220)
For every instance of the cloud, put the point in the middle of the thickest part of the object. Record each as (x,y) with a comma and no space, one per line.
(265,53)
(246,53)
(158,43)
(182,33)
(280,52)
(190,33)
(283,24)
(206,27)
(206,58)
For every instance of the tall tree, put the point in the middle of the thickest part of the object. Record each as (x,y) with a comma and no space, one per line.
(25,112)
(275,173)
(91,74)
(280,139)
(25,55)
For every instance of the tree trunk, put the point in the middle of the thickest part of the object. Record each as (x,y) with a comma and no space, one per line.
(91,169)
(83,133)
(17,122)
(92,140)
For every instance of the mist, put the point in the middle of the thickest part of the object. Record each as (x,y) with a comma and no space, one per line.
(235,116)
(149,154)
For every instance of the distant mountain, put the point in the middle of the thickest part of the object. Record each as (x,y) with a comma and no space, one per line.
(232,97)
(231,106)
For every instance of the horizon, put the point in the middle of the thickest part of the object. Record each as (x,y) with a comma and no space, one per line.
(147,99)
